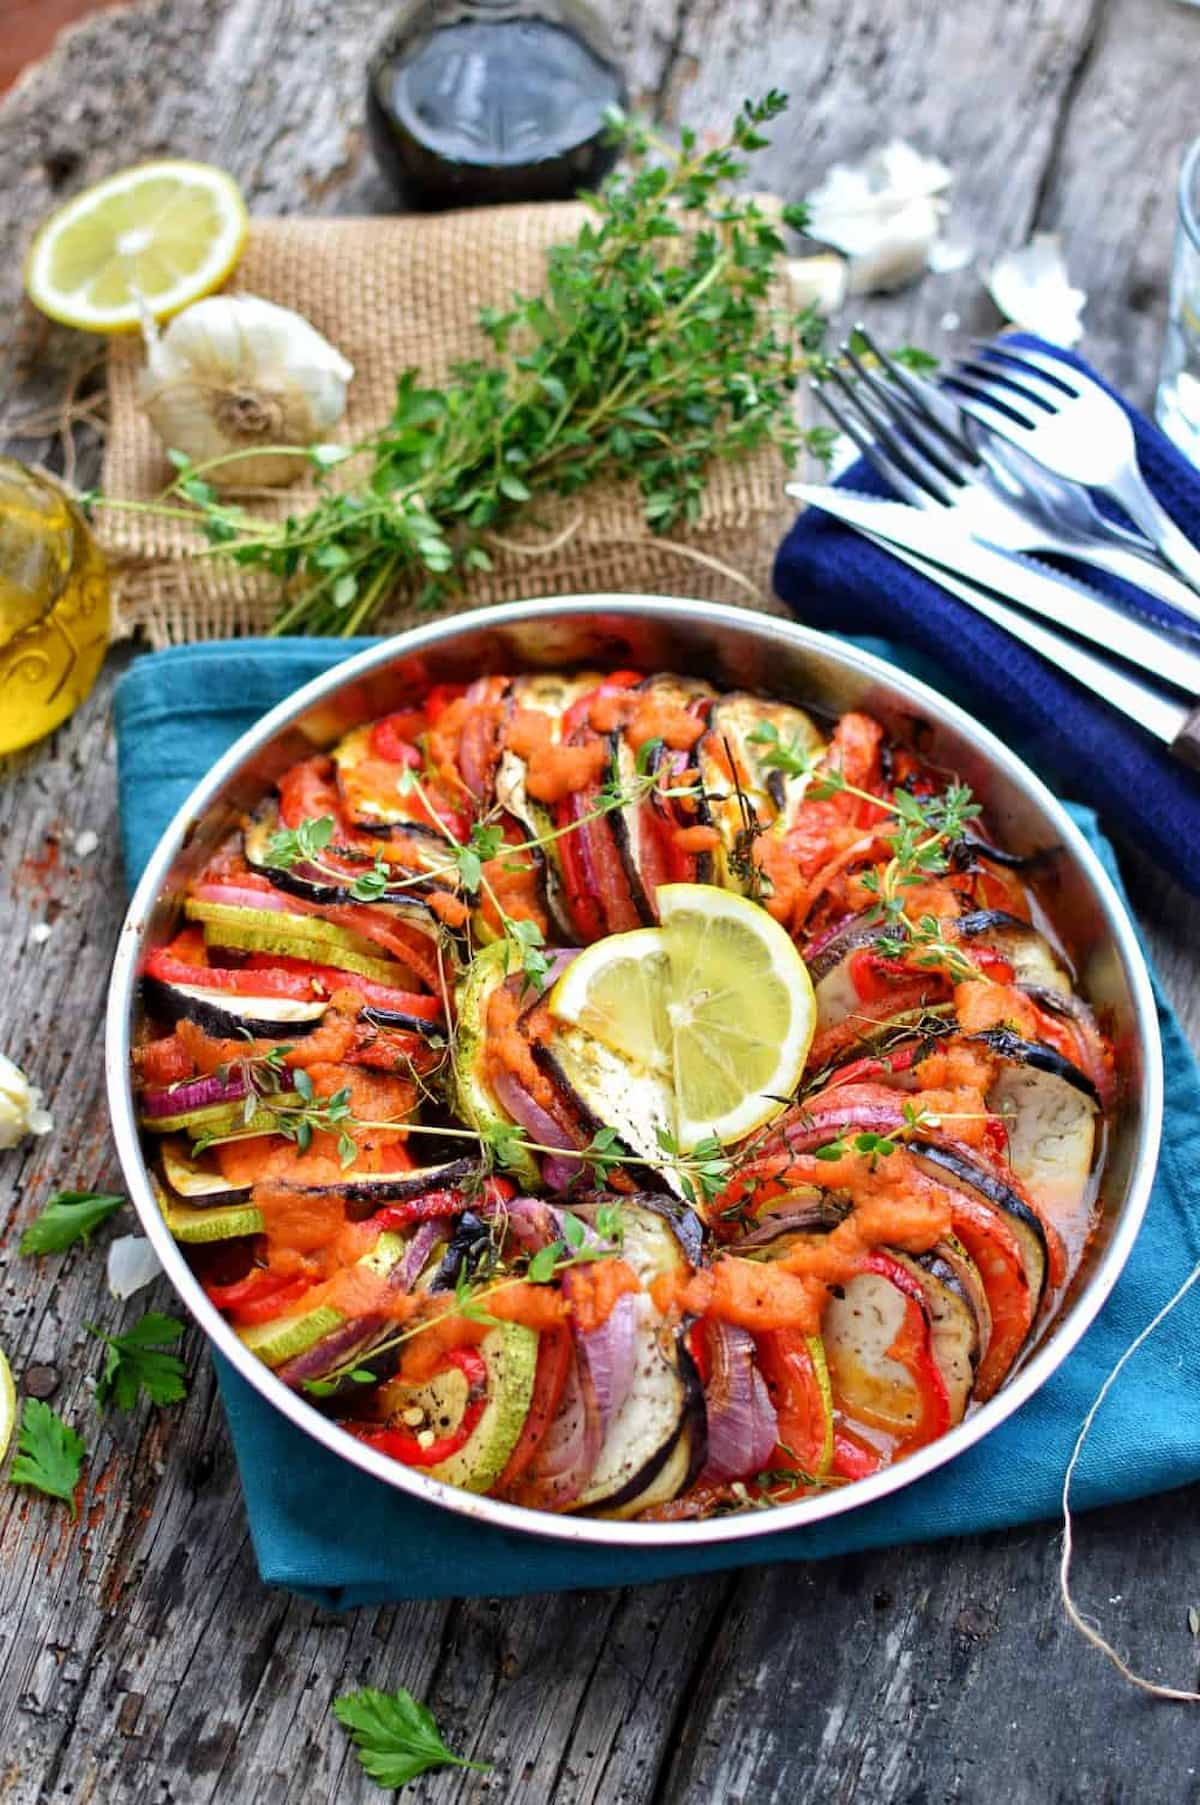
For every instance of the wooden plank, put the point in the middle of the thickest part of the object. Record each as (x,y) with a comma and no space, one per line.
(140,1657)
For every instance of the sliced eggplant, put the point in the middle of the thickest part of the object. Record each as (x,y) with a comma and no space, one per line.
(380,1188)
(1033,959)
(650,1447)
(950,1262)
(410,891)
(953,1168)
(376,801)
(860,1325)
(225,1013)
(549,694)
(471,1096)
(744,794)
(633,829)
(1050,1111)
(196,1177)
(227,1218)
(612,1093)
(954,1327)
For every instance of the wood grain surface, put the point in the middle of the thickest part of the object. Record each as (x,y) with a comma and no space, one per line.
(141,1659)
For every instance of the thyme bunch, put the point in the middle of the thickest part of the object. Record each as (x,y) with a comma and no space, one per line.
(655,348)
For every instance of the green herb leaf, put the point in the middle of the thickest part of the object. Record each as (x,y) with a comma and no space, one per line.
(139,1361)
(395,1737)
(49,1454)
(68,1217)
(543,1264)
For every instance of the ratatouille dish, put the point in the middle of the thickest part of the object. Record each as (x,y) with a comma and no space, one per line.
(616,1096)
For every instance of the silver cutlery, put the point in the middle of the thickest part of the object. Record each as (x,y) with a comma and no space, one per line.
(1176,724)
(1071,426)
(943,541)
(915,439)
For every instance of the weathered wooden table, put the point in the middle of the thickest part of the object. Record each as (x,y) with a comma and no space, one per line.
(140,1657)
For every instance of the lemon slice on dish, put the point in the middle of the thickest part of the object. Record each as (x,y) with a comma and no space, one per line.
(717,999)
(155,237)
(8,1404)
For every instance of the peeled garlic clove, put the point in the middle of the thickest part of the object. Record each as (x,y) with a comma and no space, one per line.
(883,212)
(237,374)
(21,1110)
(818,282)
(1031,288)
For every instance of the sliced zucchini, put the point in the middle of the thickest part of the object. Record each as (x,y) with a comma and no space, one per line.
(296,936)
(193,1224)
(510,1354)
(286,1336)
(471,1096)
(194,1176)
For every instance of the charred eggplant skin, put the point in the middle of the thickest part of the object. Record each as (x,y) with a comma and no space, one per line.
(169,1004)
(1010,1045)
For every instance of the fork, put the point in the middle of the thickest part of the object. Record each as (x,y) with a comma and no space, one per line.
(1073,427)
(914,439)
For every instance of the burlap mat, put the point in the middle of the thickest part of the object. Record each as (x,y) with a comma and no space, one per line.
(391,292)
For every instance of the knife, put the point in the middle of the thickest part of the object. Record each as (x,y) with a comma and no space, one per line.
(1177,725)
(1070,604)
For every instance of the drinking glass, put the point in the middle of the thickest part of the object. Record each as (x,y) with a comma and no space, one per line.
(1177,405)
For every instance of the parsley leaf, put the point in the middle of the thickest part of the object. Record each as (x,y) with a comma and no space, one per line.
(139,1361)
(69,1216)
(49,1454)
(396,1738)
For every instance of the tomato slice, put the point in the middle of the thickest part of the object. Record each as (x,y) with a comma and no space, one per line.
(549,1381)
(853,1457)
(577,880)
(281,975)
(163,1061)
(994,1249)
(402,1445)
(392,738)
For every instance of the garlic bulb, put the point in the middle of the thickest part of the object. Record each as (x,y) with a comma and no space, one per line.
(21,1110)
(234,372)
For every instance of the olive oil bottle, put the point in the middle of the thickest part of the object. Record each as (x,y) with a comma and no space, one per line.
(54,606)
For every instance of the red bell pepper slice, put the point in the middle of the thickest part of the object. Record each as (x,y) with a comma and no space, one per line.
(402,1445)
(853,1457)
(913,1350)
(995,1250)
(785,1360)
(549,1381)
(392,738)
(281,975)
(273,1296)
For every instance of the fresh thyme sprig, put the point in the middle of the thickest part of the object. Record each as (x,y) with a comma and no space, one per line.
(303,845)
(656,347)
(924,830)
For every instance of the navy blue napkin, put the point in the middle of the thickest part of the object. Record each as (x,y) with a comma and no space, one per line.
(831,577)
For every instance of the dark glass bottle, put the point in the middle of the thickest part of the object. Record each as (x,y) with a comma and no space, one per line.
(475,101)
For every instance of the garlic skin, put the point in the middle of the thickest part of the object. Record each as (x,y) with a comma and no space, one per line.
(884,212)
(233,372)
(21,1110)
(132,1264)
(1031,288)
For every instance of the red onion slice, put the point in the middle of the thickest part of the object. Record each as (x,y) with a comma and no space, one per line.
(563,1464)
(199,1093)
(540,1126)
(742,1426)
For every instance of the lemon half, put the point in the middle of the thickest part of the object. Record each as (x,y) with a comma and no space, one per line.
(157,236)
(8,1404)
(717,999)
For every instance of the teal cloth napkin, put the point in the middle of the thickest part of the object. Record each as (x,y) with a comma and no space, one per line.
(341,1538)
